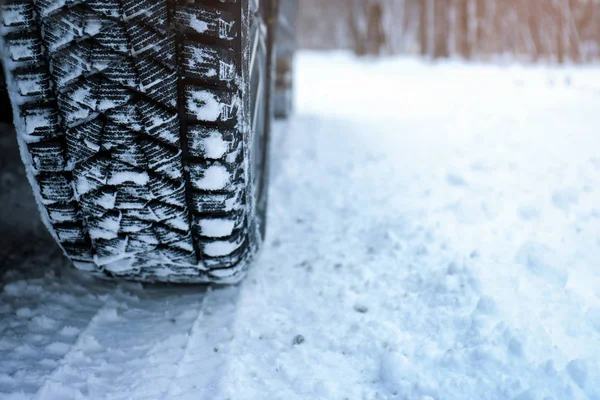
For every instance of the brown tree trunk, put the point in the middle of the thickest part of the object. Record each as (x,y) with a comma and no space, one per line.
(423,28)
(376,35)
(462,37)
(367,27)
(440,21)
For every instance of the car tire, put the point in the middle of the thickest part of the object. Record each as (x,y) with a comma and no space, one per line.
(144,126)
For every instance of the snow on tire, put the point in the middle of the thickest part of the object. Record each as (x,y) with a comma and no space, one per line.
(137,130)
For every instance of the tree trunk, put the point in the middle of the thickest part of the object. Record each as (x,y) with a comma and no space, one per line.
(431,28)
(472,26)
(451,24)
(367,27)
(376,33)
(423,31)
(563,33)
(440,22)
(536,47)
(462,29)
(356,27)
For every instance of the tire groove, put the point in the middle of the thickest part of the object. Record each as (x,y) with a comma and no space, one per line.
(183,137)
(39,20)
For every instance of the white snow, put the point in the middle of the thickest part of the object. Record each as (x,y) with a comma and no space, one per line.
(199,57)
(14,14)
(197,24)
(35,121)
(433,234)
(578,371)
(68,331)
(19,52)
(220,248)
(214,146)
(122,265)
(164,134)
(215,177)
(96,233)
(201,60)
(204,105)
(106,228)
(216,227)
(139,178)
(179,223)
(28,86)
(107,200)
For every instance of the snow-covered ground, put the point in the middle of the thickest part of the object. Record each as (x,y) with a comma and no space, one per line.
(434,233)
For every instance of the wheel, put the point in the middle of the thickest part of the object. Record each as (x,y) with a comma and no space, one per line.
(285,50)
(143,125)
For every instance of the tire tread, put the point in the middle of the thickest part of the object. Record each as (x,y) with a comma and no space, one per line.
(132,117)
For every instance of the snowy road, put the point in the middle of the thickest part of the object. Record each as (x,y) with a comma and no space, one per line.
(434,233)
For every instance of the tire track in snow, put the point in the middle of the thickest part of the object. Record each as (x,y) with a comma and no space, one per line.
(41,319)
(131,347)
(52,387)
(154,342)
(201,369)
(191,333)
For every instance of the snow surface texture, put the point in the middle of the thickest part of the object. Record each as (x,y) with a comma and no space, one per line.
(434,234)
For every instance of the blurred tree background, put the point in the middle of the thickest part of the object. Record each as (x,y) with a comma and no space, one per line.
(530,30)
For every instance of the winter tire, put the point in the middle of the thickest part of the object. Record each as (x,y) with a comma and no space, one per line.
(144,125)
